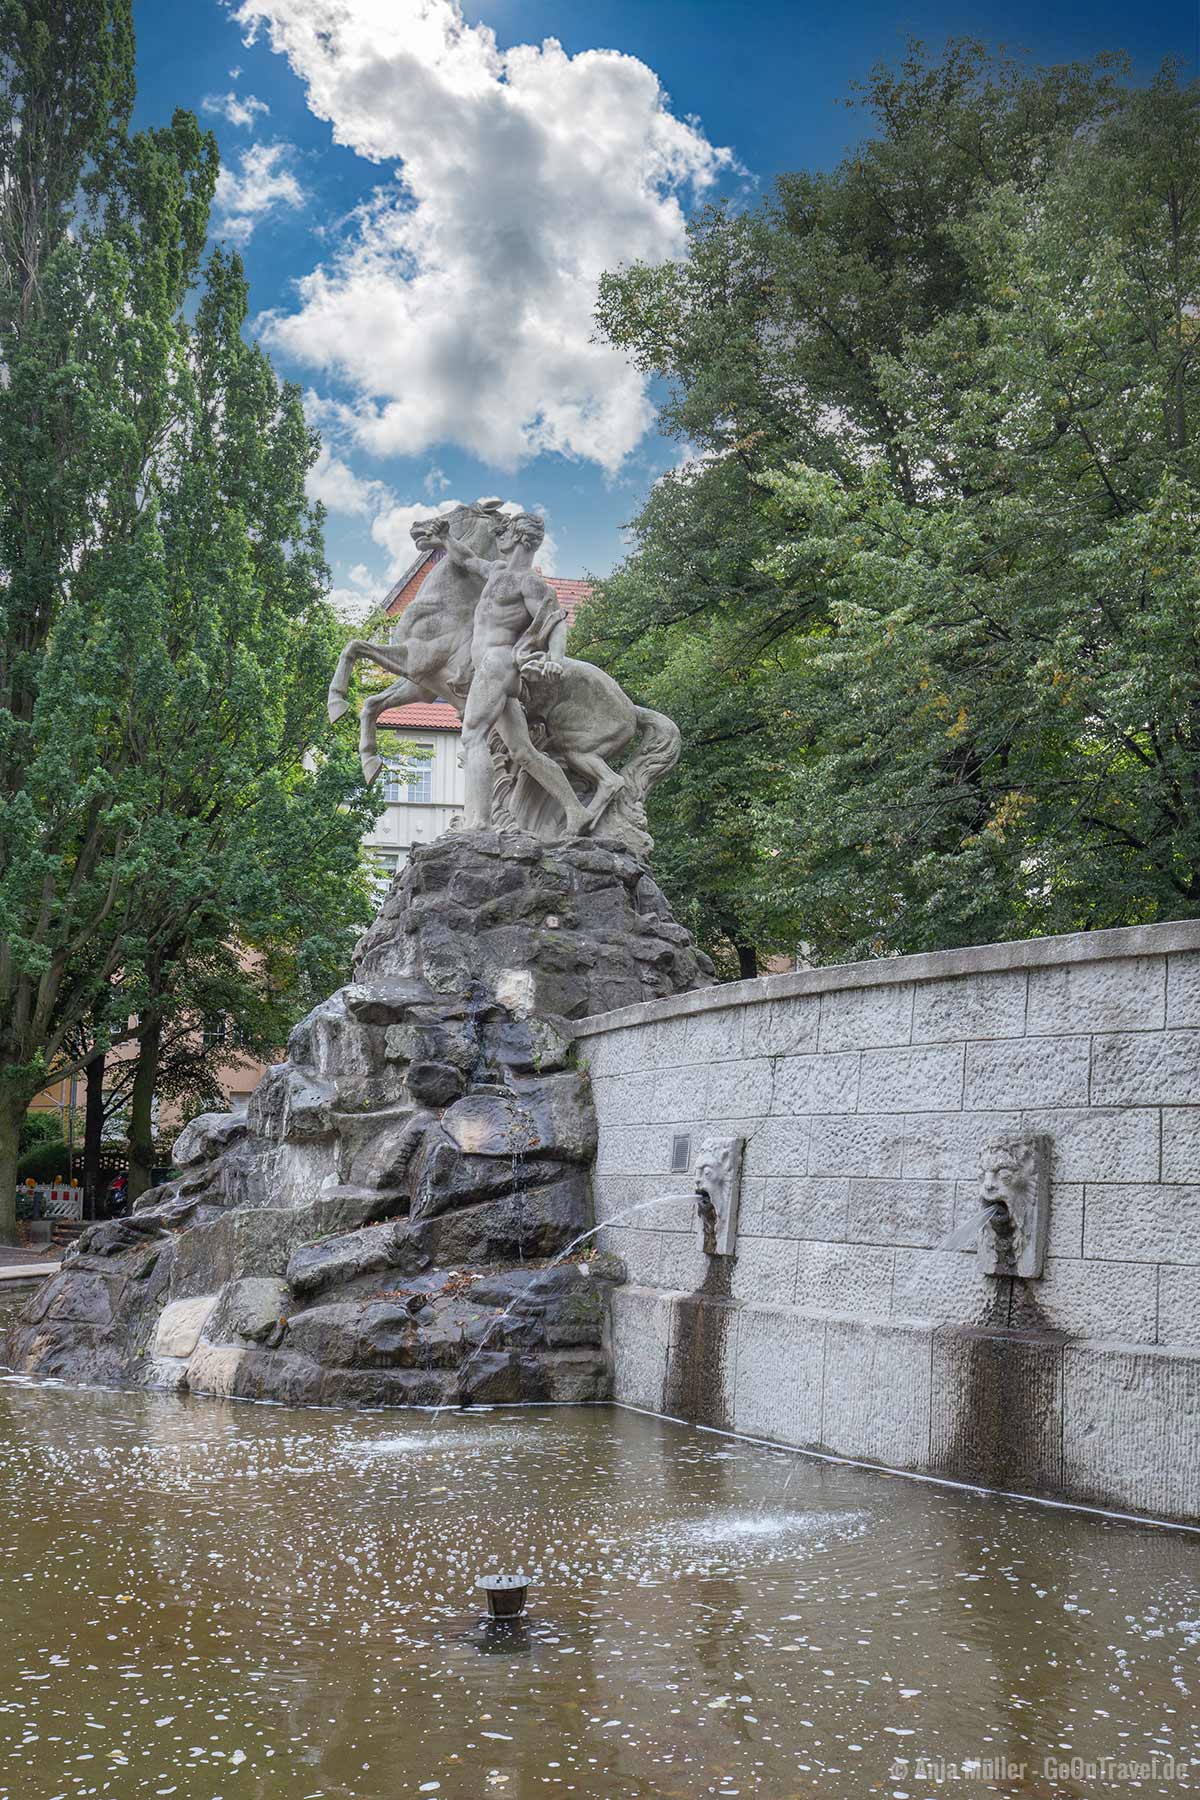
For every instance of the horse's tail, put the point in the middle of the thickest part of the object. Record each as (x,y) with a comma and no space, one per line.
(657,750)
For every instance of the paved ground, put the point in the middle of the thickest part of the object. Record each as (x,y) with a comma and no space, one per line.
(13,1256)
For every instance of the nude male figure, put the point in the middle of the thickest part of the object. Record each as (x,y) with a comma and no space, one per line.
(517,627)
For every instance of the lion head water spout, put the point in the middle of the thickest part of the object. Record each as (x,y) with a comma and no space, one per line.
(1009,1225)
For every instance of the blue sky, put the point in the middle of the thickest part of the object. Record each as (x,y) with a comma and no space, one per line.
(424,193)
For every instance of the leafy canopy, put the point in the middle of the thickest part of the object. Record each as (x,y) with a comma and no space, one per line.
(932,404)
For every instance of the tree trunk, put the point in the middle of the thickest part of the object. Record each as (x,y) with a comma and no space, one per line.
(12,1115)
(747,961)
(93,1134)
(141,1120)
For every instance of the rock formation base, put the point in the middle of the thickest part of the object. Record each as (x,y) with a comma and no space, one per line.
(395,1219)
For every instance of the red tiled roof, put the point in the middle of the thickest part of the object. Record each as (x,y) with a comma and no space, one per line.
(422,715)
(571,594)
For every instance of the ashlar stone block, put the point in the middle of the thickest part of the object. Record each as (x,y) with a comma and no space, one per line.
(816,1084)
(1027,1072)
(864,1144)
(1183,988)
(778,1147)
(786,1027)
(1131,1428)
(948,1289)
(1126,1222)
(780,1370)
(1098,1144)
(641,1334)
(949,1146)
(900,1212)
(1089,1300)
(801,1207)
(929,1077)
(1160,1068)
(876,1399)
(1124,993)
(867,1017)
(852,1279)
(1179,1307)
(970,1006)
(1181,1143)
(765,1270)
(738,1090)
(996,1410)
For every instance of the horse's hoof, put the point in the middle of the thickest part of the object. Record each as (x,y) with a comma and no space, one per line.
(337,708)
(371,766)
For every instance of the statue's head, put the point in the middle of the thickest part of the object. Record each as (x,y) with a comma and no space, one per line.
(714,1165)
(1008,1175)
(479,526)
(523,528)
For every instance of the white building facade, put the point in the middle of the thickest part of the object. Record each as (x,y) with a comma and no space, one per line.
(424,792)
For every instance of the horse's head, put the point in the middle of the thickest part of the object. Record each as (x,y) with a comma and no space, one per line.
(478,528)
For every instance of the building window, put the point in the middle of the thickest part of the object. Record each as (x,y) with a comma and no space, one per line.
(216,1030)
(385,864)
(420,783)
(408,782)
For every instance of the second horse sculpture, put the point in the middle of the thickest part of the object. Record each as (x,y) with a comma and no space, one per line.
(572,714)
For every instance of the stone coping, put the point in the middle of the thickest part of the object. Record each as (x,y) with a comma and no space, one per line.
(29,1271)
(913,1322)
(928,965)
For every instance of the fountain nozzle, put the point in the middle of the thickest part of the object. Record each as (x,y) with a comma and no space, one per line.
(506,1594)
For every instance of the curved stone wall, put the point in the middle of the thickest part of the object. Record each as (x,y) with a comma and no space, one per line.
(866,1094)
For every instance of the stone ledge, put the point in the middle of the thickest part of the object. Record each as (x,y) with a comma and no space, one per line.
(1075,1421)
(931,965)
(1176,1351)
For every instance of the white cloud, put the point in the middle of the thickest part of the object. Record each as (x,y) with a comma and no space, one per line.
(392,526)
(262,186)
(333,482)
(358,594)
(460,306)
(233,108)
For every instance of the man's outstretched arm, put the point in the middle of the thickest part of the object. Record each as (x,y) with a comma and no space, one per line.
(455,551)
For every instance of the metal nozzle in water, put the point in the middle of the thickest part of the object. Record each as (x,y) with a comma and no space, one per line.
(506,1594)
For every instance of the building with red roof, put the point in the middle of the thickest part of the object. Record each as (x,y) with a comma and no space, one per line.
(425,795)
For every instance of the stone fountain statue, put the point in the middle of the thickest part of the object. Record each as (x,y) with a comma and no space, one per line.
(391,1220)
(542,731)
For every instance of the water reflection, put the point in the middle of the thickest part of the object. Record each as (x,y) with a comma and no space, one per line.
(211,1600)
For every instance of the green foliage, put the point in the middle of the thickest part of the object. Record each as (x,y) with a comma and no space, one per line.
(1007,716)
(925,599)
(43,1127)
(168,783)
(47,1161)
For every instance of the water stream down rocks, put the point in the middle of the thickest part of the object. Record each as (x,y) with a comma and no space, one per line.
(381,1226)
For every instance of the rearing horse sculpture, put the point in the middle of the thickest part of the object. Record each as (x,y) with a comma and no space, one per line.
(582,720)
(432,648)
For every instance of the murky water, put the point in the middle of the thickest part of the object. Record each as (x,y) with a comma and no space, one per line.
(214,1600)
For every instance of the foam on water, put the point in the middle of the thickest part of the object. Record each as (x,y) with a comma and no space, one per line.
(732,1528)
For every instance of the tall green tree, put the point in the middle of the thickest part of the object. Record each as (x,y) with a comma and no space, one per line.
(770,337)
(1007,713)
(166,784)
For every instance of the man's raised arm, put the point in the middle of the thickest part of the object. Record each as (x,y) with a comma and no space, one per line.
(440,530)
